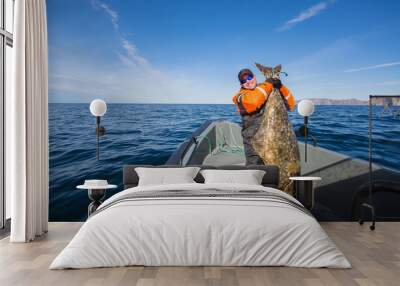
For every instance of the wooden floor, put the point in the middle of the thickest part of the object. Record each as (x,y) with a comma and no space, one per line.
(375,257)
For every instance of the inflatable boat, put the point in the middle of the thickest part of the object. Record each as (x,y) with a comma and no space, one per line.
(338,196)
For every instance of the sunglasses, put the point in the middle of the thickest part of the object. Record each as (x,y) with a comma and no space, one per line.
(243,81)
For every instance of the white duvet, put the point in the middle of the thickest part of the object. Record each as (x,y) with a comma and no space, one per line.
(200,231)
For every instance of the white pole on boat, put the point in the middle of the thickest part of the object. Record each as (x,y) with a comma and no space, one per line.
(305,108)
(98,108)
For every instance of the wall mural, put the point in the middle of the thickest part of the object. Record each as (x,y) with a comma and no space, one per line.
(163,71)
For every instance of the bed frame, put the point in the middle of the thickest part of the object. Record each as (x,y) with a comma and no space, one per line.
(270,179)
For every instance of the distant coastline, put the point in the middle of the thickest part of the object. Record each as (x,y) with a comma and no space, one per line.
(328,101)
(353,101)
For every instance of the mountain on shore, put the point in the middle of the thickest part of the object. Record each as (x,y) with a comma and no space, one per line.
(386,101)
(328,101)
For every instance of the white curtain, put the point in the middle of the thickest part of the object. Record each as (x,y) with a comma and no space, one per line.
(27,123)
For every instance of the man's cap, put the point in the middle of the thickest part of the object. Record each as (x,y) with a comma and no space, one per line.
(243,72)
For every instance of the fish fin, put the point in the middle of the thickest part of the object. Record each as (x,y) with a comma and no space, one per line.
(277,69)
(266,71)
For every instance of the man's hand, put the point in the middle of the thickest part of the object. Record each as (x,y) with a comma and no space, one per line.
(276,82)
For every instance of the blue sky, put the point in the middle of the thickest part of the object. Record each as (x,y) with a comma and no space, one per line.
(148,51)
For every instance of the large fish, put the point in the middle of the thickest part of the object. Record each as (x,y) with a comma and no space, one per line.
(275,140)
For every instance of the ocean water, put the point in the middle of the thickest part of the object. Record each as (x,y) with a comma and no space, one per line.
(150,133)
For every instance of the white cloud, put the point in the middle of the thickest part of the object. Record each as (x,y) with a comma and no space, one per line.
(78,77)
(379,66)
(112,14)
(305,15)
(132,56)
(76,80)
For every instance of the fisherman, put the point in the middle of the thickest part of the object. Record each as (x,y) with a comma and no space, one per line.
(250,101)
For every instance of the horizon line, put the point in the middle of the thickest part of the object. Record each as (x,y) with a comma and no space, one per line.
(197,103)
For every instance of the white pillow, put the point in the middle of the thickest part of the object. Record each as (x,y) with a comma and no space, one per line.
(249,177)
(163,176)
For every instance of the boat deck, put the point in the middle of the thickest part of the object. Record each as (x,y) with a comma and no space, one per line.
(374,255)
(224,158)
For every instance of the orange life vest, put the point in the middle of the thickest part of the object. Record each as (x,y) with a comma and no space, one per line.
(250,101)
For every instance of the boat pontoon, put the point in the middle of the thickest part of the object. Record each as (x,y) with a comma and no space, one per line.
(338,196)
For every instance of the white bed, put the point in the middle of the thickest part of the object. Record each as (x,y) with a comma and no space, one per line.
(207,230)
